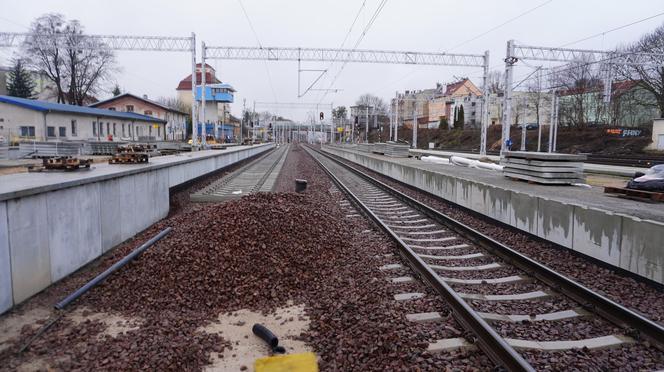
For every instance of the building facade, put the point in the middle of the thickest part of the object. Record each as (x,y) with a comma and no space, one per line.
(24,119)
(176,121)
(218,97)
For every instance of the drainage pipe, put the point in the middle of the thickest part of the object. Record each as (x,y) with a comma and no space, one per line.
(101,277)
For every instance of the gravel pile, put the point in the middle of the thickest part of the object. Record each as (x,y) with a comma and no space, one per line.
(259,253)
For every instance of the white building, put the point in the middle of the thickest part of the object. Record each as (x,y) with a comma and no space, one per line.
(22,118)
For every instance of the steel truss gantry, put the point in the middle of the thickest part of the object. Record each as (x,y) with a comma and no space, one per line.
(116,42)
(358,56)
(607,60)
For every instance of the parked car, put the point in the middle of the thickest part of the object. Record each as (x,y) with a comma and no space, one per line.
(530,126)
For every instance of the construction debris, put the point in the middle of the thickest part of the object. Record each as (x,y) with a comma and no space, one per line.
(61,163)
(133,154)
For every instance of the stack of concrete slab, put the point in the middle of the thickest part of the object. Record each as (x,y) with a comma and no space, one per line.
(378,148)
(396,150)
(365,147)
(542,167)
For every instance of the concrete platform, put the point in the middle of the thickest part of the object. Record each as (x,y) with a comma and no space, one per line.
(623,233)
(51,224)
(612,170)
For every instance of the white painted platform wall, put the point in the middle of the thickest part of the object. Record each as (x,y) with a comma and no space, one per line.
(45,236)
(624,241)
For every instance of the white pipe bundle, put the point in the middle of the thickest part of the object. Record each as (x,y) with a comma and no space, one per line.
(463,162)
(435,159)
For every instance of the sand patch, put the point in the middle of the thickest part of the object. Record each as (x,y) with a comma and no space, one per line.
(11,325)
(286,323)
(115,324)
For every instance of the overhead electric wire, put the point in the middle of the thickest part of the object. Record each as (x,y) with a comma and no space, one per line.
(258,41)
(367,27)
(613,29)
(473,39)
(500,25)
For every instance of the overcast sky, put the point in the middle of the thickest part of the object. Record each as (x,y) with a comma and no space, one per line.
(413,25)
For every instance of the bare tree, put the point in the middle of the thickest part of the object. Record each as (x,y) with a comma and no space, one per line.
(371,100)
(579,88)
(58,50)
(650,75)
(496,81)
(174,103)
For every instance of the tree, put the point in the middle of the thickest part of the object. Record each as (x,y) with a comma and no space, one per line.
(116,90)
(340,113)
(579,86)
(443,124)
(20,82)
(496,82)
(460,119)
(650,76)
(78,66)
(370,100)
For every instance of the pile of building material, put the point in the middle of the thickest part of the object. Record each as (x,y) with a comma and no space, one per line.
(544,168)
(365,147)
(378,148)
(61,163)
(133,153)
(396,150)
(102,147)
(41,149)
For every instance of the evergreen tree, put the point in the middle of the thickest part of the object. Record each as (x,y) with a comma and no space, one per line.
(20,82)
(461,120)
(116,91)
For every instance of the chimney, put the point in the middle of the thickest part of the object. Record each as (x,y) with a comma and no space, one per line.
(145,96)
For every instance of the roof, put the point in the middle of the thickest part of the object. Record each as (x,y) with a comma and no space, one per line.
(222,85)
(45,106)
(185,84)
(452,88)
(148,101)
(617,88)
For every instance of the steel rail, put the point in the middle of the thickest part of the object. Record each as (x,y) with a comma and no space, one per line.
(637,326)
(496,348)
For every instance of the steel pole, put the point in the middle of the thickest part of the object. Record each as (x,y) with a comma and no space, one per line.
(203,73)
(366,125)
(396,121)
(539,108)
(414,124)
(194,106)
(507,99)
(485,104)
(553,118)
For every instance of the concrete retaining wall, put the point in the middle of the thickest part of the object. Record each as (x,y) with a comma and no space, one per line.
(623,241)
(49,230)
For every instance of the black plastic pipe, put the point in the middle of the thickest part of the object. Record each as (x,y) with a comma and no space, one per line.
(101,277)
(270,338)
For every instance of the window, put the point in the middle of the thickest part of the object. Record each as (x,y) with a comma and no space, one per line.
(123,130)
(27,131)
(73,128)
(114,131)
(473,104)
(148,112)
(149,130)
(108,128)
(50,131)
(94,128)
(62,131)
(111,108)
(101,128)
(130,108)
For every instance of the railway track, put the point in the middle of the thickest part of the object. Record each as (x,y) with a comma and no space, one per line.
(509,302)
(257,176)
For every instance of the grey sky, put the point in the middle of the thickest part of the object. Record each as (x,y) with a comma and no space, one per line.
(415,25)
